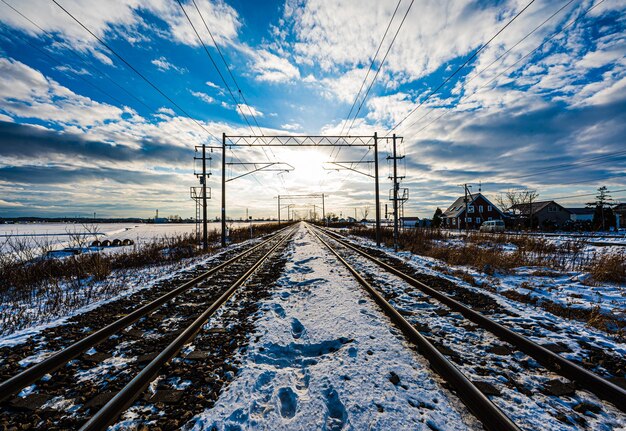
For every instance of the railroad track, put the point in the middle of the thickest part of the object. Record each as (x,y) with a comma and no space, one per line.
(442,316)
(80,385)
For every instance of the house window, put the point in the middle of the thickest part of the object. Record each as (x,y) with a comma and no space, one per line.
(480,209)
(470,209)
(490,218)
(489,208)
(468,219)
(477,220)
(552,208)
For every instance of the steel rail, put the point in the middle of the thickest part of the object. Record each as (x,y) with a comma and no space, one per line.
(16,383)
(601,387)
(129,393)
(487,412)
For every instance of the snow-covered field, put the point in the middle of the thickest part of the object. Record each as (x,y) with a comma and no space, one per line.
(60,235)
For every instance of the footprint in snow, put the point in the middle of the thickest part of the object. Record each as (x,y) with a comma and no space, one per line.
(288,402)
(297,329)
(279,310)
(311,281)
(336,416)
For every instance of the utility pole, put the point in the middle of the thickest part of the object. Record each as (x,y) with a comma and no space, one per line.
(324,211)
(223,190)
(205,235)
(278,210)
(395,195)
(396,188)
(377,189)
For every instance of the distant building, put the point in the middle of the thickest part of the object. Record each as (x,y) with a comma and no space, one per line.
(620,215)
(544,213)
(479,209)
(409,222)
(581,214)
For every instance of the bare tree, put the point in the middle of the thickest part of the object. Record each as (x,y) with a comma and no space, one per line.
(365,211)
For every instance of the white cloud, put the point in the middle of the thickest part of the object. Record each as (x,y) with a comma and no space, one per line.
(272,68)
(164,65)
(249,110)
(70,69)
(203,96)
(27,93)
(213,85)
(123,17)
(291,126)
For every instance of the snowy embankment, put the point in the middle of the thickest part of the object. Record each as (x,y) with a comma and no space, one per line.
(325,357)
(45,311)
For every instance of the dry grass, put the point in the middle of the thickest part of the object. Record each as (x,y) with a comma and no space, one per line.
(501,252)
(608,268)
(33,287)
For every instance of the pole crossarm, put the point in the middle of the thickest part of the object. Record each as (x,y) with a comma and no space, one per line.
(268,166)
(341,166)
(300,141)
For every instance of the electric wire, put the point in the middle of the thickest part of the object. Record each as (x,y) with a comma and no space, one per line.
(380,66)
(470,58)
(134,69)
(356,98)
(444,113)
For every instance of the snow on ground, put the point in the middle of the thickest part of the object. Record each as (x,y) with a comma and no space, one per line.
(324,357)
(123,282)
(546,326)
(59,235)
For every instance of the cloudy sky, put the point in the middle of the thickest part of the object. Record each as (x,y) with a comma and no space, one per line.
(541,106)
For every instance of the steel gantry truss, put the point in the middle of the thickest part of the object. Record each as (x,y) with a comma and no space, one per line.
(368,141)
(305,196)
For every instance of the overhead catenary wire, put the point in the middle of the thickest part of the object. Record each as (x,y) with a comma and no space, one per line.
(134,69)
(82,59)
(356,98)
(578,18)
(232,76)
(235,101)
(380,66)
(453,74)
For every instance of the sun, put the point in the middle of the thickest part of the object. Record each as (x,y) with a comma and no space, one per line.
(308,165)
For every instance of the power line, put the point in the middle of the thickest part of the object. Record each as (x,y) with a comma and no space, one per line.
(460,68)
(227,66)
(566,166)
(356,98)
(130,66)
(232,76)
(508,68)
(215,65)
(206,50)
(380,66)
(81,58)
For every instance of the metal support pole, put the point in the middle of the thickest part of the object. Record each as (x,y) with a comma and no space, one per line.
(223,189)
(205,235)
(278,210)
(377,189)
(324,211)
(395,195)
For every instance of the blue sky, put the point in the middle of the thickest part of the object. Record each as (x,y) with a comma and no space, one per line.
(543,106)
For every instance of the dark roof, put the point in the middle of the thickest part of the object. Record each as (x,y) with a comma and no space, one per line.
(410,218)
(581,211)
(458,207)
(536,207)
